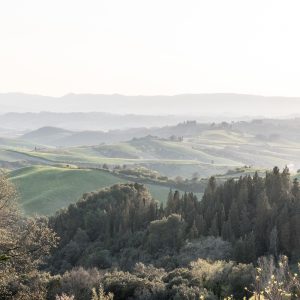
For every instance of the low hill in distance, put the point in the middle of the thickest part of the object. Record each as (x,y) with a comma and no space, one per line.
(264,130)
(58,137)
(46,135)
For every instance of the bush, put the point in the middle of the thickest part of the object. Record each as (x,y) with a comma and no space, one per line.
(211,248)
(78,282)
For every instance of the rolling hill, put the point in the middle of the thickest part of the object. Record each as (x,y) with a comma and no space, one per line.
(46,135)
(58,137)
(263,130)
(45,189)
(196,148)
(46,184)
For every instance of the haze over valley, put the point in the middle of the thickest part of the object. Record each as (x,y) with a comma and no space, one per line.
(147,147)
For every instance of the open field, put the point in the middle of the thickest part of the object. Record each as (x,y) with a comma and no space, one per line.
(46,189)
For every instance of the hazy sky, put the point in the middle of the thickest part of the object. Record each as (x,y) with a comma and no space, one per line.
(54,47)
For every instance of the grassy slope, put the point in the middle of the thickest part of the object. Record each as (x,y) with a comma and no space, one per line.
(7,156)
(167,157)
(45,189)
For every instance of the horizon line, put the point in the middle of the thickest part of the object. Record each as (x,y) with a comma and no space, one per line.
(149,95)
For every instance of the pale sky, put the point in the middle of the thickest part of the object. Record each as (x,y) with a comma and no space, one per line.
(54,47)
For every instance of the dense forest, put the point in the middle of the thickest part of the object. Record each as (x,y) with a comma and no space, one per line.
(119,242)
(257,216)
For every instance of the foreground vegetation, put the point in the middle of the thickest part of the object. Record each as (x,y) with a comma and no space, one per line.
(24,242)
(119,242)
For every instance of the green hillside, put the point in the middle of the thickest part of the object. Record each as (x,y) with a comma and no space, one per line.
(46,189)
(208,153)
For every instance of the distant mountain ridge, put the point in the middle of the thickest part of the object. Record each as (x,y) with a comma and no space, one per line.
(83,121)
(225,104)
